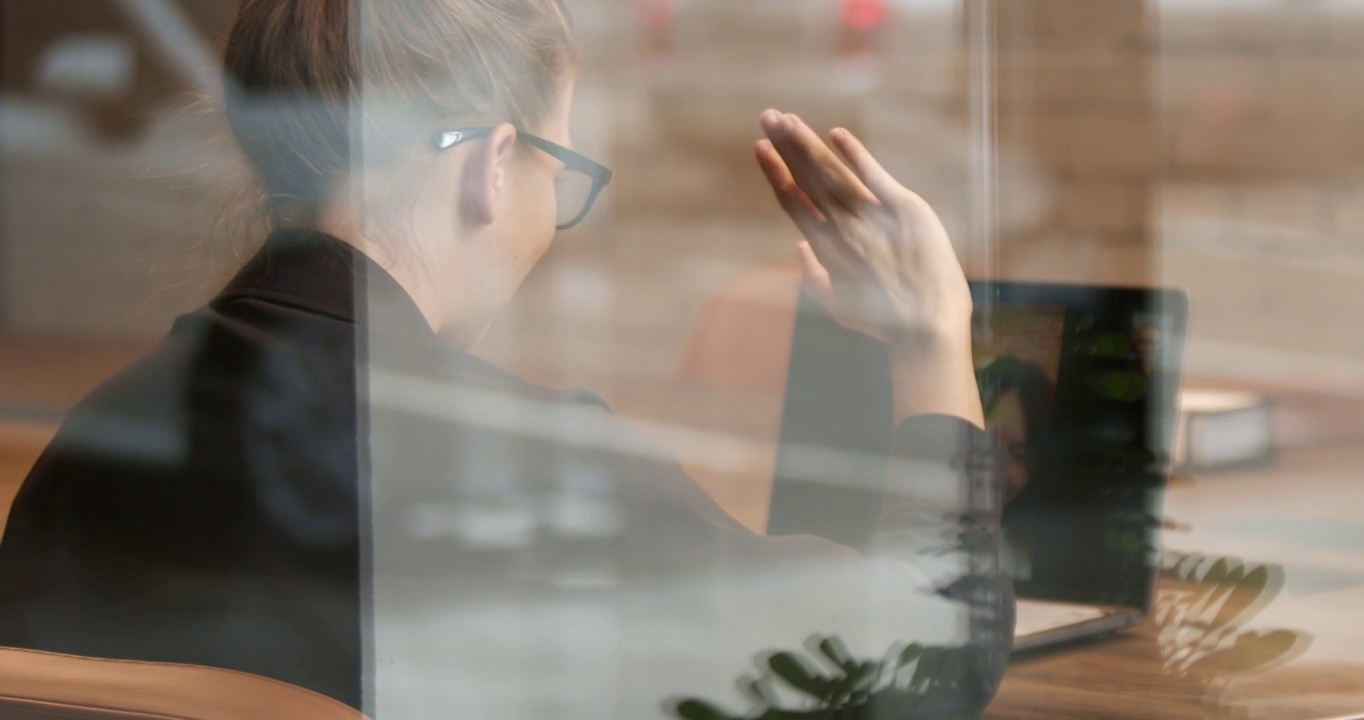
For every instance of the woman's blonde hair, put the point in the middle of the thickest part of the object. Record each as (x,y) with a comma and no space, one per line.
(316,88)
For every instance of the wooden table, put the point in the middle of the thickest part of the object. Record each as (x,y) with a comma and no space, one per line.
(1204,653)
(1176,666)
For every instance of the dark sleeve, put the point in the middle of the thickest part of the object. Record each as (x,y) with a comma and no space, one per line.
(70,534)
(58,553)
(942,514)
(125,543)
(929,581)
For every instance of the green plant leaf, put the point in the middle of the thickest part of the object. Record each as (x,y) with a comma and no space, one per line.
(798,674)
(928,669)
(1241,596)
(762,691)
(865,674)
(1215,573)
(1250,651)
(910,654)
(1187,566)
(692,709)
(837,651)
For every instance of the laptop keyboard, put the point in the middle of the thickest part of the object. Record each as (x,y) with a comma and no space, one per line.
(1034,616)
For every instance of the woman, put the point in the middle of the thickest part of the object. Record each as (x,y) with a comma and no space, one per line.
(311,479)
(1017,397)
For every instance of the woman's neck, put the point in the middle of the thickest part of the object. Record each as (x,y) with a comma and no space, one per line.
(344,226)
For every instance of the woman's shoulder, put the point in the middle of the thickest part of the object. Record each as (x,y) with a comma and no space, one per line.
(198,435)
(134,414)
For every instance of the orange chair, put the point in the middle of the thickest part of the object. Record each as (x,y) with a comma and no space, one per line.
(742,337)
(48,686)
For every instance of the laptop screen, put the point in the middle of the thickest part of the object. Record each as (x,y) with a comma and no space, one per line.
(1079,386)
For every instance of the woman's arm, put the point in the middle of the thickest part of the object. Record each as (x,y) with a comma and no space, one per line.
(880,260)
(942,518)
(944,501)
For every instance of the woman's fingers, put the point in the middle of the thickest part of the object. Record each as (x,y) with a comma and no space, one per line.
(816,277)
(811,222)
(817,170)
(868,170)
(779,137)
(810,203)
(792,199)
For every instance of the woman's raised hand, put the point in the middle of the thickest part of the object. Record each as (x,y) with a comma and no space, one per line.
(875,252)
(879,258)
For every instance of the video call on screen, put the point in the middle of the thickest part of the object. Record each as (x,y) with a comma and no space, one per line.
(1078,400)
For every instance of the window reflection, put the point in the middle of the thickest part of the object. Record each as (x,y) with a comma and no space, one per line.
(1209,147)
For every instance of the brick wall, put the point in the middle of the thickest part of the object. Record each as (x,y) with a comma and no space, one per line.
(1216,147)
(1261,186)
(1212,146)
(1262,115)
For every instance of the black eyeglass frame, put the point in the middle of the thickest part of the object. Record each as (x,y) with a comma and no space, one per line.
(572,160)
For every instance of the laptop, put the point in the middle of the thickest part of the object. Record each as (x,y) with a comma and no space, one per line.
(1080,387)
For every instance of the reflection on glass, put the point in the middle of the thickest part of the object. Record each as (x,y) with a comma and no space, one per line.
(343,468)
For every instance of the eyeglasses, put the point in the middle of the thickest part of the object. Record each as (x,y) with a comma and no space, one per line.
(575,188)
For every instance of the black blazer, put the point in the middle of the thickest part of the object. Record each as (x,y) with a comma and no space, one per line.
(235,497)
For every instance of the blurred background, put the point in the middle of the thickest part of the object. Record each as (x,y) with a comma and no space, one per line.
(1211,145)
(1207,145)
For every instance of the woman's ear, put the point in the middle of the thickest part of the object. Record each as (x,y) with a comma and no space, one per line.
(485,173)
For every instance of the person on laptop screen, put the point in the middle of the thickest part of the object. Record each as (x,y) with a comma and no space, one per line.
(312,479)
(1017,396)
